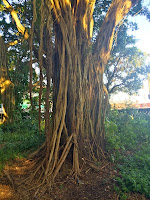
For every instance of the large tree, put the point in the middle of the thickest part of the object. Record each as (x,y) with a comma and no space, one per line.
(126,68)
(79,94)
(126,74)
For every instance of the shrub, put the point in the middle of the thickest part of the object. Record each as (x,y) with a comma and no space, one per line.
(19,138)
(128,141)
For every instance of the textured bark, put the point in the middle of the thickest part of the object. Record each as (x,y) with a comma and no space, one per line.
(6,86)
(80,97)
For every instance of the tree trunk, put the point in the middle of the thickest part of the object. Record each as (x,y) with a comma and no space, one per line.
(80,97)
(6,86)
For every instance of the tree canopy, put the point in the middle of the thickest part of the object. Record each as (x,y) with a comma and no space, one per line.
(126,68)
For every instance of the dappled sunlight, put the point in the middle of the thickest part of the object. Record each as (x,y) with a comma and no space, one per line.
(87,20)
(88,27)
(19,167)
(5,192)
(3,115)
(127,6)
(20,28)
(5,91)
(91,27)
(68,2)
(2,121)
(84,23)
(4,85)
(91,22)
(120,10)
(14,42)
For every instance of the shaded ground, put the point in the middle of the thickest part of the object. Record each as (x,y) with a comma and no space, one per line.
(94,184)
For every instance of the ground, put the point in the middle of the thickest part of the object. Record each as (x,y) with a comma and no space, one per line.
(95,183)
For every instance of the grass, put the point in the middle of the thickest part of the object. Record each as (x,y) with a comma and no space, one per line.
(18,140)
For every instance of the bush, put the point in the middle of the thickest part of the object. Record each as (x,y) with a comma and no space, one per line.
(21,122)
(19,138)
(128,141)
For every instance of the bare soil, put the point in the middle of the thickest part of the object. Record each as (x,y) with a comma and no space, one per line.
(95,183)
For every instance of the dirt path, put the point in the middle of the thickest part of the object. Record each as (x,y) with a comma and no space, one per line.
(92,185)
(6,192)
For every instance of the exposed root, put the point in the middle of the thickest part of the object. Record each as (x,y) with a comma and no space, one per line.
(97,168)
(10,179)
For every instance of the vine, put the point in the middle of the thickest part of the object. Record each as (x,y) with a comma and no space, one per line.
(31,48)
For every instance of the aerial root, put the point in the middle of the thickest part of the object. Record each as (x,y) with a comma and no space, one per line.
(95,167)
(36,153)
(10,179)
(37,169)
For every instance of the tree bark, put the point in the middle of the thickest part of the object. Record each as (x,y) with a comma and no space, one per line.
(80,97)
(6,86)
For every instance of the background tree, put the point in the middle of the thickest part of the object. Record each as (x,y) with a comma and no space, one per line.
(11,57)
(126,68)
(18,55)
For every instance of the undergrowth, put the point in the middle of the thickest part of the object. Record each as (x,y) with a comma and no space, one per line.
(19,138)
(128,142)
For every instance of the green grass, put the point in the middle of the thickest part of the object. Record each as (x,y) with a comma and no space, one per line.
(128,141)
(18,140)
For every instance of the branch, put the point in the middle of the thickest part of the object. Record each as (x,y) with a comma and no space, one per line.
(113,73)
(116,12)
(20,28)
(13,43)
(112,89)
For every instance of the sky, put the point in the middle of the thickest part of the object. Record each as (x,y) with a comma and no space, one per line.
(142,34)
(143,43)
(143,37)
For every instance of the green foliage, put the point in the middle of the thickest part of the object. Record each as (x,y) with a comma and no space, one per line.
(128,141)
(101,7)
(126,68)
(19,138)
(18,70)
(18,56)
(22,122)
